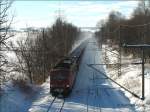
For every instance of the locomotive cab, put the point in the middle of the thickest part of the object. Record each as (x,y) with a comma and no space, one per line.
(62,77)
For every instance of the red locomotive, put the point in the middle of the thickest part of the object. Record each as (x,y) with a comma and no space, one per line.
(62,77)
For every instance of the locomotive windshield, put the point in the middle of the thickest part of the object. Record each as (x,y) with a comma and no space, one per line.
(64,64)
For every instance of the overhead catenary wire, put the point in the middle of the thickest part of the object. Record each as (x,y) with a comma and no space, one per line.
(114,81)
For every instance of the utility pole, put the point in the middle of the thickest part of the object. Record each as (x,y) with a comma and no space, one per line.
(44,54)
(119,64)
(142,46)
(0,45)
(143,80)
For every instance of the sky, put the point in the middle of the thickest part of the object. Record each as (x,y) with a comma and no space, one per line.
(80,13)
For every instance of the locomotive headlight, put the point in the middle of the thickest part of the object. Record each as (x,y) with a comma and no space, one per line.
(67,85)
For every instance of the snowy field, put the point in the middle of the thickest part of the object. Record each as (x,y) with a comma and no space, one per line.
(92,92)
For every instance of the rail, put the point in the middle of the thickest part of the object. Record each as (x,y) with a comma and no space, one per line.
(52,108)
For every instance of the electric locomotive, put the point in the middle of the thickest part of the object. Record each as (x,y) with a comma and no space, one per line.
(62,77)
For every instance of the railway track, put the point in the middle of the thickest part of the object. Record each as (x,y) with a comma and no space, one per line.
(56,105)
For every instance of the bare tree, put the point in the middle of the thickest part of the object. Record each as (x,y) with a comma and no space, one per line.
(25,52)
(5,24)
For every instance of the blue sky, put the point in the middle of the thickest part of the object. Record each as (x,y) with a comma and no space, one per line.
(80,13)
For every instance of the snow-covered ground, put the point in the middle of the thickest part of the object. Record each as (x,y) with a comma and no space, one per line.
(14,99)
(131,78)
(92,92)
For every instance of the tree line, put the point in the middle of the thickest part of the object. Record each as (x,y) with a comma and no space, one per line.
(37,55)
(38,52)
(118,30)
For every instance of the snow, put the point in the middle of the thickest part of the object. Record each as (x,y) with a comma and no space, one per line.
(131,79)
(12,97)
(92,91)
(44,99)
(147,89)
(14,100)
(82,37)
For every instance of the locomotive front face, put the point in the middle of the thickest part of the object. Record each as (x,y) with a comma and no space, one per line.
(59,81)
(61,77)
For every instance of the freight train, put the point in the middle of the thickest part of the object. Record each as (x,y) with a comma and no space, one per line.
(63,75)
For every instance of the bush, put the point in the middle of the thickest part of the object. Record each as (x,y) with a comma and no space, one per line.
(23,85)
